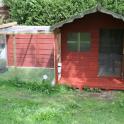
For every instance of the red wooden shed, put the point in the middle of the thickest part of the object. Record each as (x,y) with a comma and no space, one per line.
(86,50)
(90,50)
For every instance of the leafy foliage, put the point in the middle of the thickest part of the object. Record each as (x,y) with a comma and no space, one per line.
(48,12)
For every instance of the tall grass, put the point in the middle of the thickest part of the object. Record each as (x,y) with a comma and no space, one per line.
(44,87)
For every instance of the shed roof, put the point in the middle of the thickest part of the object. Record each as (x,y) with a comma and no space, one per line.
(25,30)
(98,8)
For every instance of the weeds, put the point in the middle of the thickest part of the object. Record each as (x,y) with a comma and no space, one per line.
(93,90)
(44,87)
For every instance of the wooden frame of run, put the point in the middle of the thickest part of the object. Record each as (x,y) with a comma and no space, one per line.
(8,25)
(57,53)
(39,30)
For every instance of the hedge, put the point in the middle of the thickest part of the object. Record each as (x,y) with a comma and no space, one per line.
(49,12)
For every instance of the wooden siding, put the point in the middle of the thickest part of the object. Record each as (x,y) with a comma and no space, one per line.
(31,50)
(81,68)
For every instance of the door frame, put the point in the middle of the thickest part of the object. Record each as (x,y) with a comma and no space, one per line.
(123,59)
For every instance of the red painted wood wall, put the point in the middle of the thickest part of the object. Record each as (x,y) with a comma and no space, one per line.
(31,50)
(83,67)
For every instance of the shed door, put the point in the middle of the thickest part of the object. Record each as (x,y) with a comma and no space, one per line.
(111,49)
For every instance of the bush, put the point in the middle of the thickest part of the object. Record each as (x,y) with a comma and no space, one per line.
(45,12)
(49,12)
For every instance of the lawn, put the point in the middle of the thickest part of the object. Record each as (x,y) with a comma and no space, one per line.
(25,106)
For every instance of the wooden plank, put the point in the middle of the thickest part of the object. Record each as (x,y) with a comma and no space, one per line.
(59,47)
(29,55)
(31,52)
(32,46)
(8,25)
(55,58)
(45,35)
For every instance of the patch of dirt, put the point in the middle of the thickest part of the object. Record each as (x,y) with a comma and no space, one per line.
(104,95)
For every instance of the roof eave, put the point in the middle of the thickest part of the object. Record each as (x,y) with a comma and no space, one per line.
(98,8)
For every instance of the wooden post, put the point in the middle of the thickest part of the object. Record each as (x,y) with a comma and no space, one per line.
(14,50)
(59,47)
(55,58)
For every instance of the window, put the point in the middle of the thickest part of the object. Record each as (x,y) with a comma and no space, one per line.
(79,41)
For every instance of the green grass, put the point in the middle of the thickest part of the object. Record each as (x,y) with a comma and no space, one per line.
(28,73)
(22,105)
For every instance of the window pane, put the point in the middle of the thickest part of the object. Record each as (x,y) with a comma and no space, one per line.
(72,41)
(85,41)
